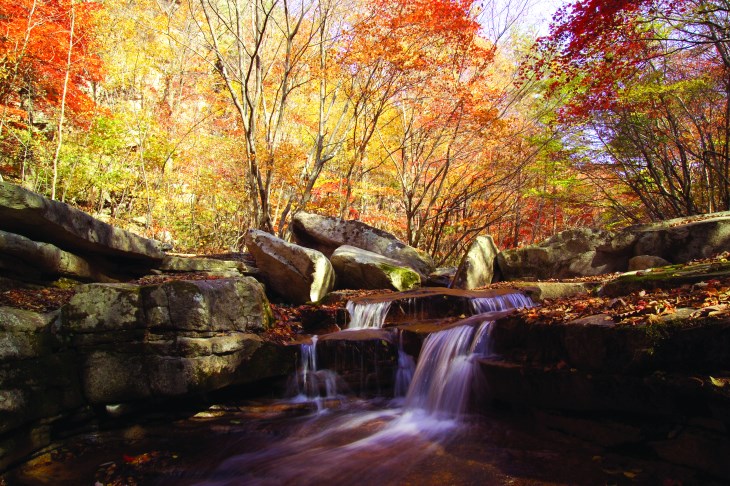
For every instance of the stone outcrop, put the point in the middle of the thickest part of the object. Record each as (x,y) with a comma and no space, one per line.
(42,240)
(294,272)
(588,252)
(477,268)
(38,380)
(356,268)
(326,234)
(571,253)
(684,239)
(213,266)
(672,369)
(173,339)
(40,219)
(130,345)
(22,256)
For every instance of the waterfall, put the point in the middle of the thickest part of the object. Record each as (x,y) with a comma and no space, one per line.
(448,367)
(367,315)
(405,371)
(446,371)
(312,384)
(514,300)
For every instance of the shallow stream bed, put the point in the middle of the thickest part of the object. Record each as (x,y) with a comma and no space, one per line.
(356,442)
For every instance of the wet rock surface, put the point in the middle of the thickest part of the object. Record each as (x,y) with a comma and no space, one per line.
(499,448)
(129,344)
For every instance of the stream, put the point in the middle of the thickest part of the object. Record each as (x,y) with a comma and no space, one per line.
(425,433)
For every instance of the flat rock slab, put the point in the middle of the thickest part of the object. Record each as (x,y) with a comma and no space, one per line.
(538,291)
(665,278)
(436,302)
(41,219)
(30,256)
(175,263)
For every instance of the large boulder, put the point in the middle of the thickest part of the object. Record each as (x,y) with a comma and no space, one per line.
(326,234)
(41,219)
(477,268)
(173,339)
(571,253)
(361,269)
(21,256)
(684,239)
(294,272)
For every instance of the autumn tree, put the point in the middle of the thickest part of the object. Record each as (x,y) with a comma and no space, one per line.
(650,82)
(48,63)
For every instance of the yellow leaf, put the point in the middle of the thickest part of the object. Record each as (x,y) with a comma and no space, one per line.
(720,382)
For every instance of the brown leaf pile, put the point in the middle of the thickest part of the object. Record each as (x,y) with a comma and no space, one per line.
(711,299)
(37,300)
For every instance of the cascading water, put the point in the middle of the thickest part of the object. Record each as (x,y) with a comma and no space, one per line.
(311,384)
(495,303)
(405,371)
(366,445)
(447,370)
(367,315)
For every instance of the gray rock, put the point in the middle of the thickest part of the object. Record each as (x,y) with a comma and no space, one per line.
(477,268)
(173,339)
(645,262)
(571,253)
(441,277)
(326,234)
(232,304)
(29,214)
(361,269)
(98,308)
(683,240)
(48,259)
(25,334)
(296,273)
(174,263)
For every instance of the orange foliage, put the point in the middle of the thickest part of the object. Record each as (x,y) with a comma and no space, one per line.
(34,47)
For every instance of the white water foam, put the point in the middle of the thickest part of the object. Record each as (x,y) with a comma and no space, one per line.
(312,384)
(515,300)
(367,315)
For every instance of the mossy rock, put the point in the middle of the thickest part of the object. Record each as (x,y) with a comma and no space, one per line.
(665,278)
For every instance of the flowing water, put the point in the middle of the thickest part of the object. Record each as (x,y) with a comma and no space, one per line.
(310,384)
(367,315)
(515,300)
(358,445)
(320,437)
